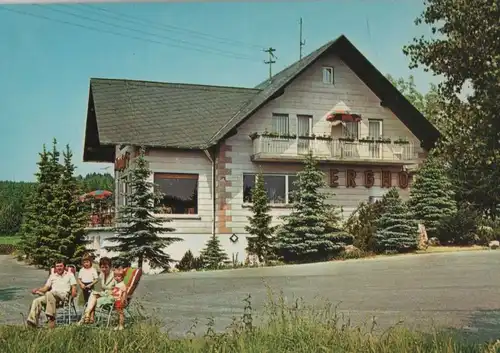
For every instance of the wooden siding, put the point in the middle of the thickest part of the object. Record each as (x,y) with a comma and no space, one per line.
(308,95)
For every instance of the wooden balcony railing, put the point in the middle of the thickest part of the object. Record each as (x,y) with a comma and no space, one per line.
(275,148)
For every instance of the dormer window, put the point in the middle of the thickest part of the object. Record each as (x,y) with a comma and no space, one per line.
(328,75)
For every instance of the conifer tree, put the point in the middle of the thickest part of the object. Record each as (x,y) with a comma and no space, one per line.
(35,216)
(72,217)
(213,254)
(396,229)
(259,229)
(140,235)
(432,196)
(311,232)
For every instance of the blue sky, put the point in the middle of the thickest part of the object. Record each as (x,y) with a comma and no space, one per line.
(45,65)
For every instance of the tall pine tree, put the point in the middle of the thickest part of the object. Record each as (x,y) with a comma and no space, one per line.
(311,231)
(213,254)
(396,229)
(259,229)
(431,196)
(72,218)
(35,216)
(139,233)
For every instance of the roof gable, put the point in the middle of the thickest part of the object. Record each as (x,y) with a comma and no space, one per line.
(188,116)
(389,95)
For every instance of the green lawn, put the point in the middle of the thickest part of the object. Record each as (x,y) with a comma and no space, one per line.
(9,239)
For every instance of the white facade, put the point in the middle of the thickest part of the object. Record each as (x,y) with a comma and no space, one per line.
(309,95)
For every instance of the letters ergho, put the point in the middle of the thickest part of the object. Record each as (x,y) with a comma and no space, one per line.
(369,178)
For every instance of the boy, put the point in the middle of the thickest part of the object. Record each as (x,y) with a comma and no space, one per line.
(119,294)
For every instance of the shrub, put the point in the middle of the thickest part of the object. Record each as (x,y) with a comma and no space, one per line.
(459,228)
(7,249)
(362,224)
(396,229)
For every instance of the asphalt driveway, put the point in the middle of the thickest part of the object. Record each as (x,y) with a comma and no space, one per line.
(453,290)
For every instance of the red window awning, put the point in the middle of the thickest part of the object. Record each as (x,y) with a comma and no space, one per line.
(343,117)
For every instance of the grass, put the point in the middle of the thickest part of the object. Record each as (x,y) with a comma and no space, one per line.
(9,239)
(294,328)
(439,249)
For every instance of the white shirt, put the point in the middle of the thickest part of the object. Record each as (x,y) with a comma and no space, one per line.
(87,275)
(61,283)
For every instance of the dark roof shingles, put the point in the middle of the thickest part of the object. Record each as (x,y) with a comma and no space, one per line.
(163,114)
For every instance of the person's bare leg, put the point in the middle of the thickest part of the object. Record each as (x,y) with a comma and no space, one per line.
(121,319)
(88,315)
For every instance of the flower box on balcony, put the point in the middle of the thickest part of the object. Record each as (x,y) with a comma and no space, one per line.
(374,140)
(346,139)
(401,141)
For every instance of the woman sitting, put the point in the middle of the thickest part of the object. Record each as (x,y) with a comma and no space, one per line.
(107,281)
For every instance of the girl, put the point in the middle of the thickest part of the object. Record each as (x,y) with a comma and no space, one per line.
(87,277)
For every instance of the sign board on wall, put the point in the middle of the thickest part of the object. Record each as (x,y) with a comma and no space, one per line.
(369,178)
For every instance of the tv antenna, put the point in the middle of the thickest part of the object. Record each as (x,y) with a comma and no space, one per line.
(270,62)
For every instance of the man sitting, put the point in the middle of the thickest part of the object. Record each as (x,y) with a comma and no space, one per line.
(56,290)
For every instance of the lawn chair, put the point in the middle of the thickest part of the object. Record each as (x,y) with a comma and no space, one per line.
(67,308)
(105,312)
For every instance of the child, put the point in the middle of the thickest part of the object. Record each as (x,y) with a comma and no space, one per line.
(119,294)
(87,277)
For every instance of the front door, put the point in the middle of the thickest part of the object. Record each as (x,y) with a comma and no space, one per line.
(304,127)
(375,132)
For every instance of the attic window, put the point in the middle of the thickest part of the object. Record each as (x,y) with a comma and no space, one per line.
(328,75)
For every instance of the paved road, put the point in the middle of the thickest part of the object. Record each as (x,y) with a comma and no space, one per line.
(455,290)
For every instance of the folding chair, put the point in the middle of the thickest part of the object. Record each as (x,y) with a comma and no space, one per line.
(66,308)
(105,312)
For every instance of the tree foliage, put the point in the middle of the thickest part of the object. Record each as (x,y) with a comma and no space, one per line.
(140,236)
(431,195)
(54,221)
(311,232)
(213,256)
(362,224)
(429,104)
(464,49)
(396,229)
(259,228)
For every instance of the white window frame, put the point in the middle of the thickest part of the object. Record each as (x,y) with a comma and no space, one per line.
(281,115)
(380,124)
(308,116)
(190,176)
(287,191)
(345,129)
(331,72)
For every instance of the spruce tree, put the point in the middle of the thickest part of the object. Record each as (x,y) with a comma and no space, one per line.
(35,215)
(140,235)
(396,229)
(259,228)
(213,254)
(311,232)
(72,218)
(432,196)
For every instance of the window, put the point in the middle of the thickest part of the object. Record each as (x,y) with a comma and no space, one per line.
(350,129)
(278,187)
(281,124)
(328,75)
(180,193)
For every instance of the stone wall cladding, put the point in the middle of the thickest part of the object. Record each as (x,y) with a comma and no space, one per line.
(224,195)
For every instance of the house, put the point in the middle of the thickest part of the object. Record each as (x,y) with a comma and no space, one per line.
(205,144)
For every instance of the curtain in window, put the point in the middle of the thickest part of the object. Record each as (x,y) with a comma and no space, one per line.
(350,129)
(280,124)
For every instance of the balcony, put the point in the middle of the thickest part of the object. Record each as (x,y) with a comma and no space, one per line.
(292,149)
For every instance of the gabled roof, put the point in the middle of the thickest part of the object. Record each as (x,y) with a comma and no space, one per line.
(198,116)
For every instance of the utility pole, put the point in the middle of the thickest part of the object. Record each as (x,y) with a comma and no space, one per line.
(270,62)
(301,42)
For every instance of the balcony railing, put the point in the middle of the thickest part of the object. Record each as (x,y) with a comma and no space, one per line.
(276,148)
(104,220)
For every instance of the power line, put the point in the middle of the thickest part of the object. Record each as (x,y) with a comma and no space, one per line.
(141,31)
(166,27)
(270,62)
(101,30)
